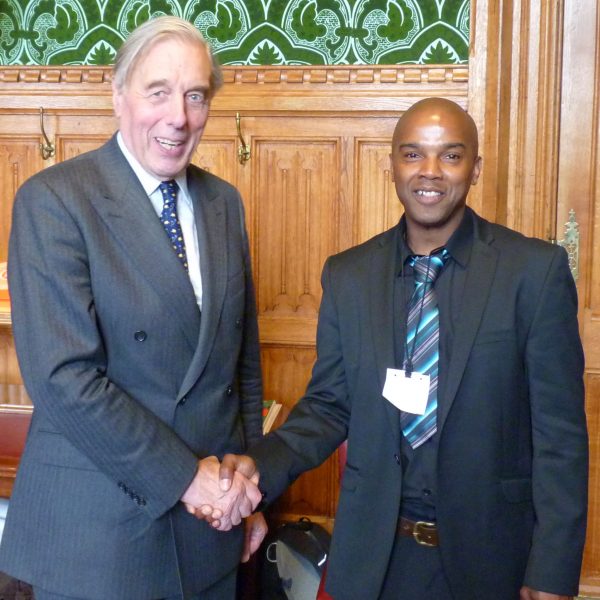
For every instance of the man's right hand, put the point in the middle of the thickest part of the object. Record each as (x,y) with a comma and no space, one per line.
(237,463)
(222,497)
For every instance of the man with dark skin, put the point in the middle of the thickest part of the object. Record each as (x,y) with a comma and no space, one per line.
(492,505)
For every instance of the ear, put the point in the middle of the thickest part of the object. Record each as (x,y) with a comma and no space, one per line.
(117,99)
(476,170)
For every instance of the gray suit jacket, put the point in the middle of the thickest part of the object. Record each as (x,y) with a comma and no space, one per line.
(512,459)
(131,385)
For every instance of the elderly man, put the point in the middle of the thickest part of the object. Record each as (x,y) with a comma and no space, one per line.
(135,326)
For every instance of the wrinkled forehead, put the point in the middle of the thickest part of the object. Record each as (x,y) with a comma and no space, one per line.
(148,58)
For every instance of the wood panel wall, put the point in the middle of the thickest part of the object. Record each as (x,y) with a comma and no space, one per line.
(318,179)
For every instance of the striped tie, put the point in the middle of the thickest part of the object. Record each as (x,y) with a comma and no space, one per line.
(422,344)
(170,220)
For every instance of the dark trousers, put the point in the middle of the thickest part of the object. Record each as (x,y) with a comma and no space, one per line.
(224,589)
(415,573)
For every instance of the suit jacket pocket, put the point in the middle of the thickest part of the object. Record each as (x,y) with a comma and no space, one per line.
(50,448)
(351,478)
(517,490)
(494,336)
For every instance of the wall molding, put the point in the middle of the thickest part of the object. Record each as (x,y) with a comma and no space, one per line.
(387,89)
(357,74)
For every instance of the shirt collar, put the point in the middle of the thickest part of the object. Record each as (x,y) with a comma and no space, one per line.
(149,182)
(458,246)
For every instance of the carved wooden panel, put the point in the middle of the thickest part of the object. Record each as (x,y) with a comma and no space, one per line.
(70,146)
(378,207)
(296,192)
(217,156)
(81,132)
(19,159)
(286,371)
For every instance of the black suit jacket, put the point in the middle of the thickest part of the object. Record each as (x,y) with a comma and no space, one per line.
(512,459)
(131,385)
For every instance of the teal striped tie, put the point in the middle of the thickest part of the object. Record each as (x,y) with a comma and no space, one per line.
(422,344)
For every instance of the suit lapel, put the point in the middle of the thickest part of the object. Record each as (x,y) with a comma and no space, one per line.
(210,215)
(125,208)
(480,276)
(382,276)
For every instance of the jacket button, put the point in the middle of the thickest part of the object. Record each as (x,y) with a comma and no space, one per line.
(238,323)
(229,390)
(397,458)
(183,400)
(140,336)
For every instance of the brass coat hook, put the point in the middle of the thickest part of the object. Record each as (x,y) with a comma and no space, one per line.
(46,148)
(243,150)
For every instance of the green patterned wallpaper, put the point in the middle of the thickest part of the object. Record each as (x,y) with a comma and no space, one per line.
(243,32)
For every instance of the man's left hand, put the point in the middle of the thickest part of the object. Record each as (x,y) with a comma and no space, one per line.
(528,594)
(255,529)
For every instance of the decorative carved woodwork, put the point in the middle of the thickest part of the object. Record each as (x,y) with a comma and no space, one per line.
(19,158)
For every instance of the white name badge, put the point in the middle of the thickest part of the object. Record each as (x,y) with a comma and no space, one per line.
(409,394)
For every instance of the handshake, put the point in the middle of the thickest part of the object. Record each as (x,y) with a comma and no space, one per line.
(222,494)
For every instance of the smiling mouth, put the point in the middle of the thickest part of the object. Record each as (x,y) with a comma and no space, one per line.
(429,193)
(168,144)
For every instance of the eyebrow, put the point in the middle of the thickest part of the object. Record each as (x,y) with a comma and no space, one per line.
(156,83)
(414,145)
(164,82)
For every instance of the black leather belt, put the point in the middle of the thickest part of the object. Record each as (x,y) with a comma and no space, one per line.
(422,532)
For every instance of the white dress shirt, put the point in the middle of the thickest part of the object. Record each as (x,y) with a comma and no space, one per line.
(185,213)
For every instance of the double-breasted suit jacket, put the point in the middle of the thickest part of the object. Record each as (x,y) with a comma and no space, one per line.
(512,457)
(131,382)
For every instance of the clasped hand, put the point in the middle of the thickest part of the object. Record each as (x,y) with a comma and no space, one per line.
(223,496)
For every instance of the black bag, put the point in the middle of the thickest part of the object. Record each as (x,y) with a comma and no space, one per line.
(299,551)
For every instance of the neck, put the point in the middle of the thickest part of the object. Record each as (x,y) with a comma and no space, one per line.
(424,240)
(424,246)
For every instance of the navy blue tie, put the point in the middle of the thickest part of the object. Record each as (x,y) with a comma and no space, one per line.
(422,344)
(170,220)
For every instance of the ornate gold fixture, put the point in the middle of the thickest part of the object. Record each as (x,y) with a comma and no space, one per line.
(243,149)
